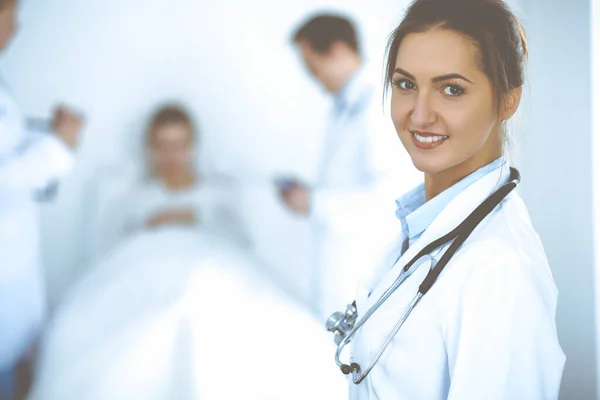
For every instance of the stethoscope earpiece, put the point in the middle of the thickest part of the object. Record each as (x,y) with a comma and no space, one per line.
(346,369)
(349,369)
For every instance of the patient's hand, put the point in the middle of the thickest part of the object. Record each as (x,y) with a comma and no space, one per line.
(168,217)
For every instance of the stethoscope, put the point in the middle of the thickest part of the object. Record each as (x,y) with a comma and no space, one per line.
(344,324)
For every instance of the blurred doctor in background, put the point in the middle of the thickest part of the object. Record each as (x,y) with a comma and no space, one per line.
(351,206)
(29,162)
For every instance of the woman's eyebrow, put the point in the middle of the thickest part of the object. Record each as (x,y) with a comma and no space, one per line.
(436,79)
(450,76)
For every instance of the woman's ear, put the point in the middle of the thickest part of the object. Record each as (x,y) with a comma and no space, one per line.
(511,104)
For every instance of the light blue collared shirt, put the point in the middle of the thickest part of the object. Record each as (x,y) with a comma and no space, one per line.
(416,214)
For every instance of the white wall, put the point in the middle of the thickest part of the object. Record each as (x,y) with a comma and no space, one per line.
(595,21)
(556,160)
(231,61)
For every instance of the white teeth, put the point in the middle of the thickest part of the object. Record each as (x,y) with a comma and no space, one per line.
(429,139)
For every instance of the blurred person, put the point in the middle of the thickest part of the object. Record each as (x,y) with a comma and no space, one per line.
(29,163)
(464,306)
(167,312)
(172,191)
(361,169)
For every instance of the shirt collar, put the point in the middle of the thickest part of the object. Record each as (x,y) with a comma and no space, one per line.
(416,214)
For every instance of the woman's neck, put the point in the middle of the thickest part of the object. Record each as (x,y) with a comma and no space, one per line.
(436,183)
(179,181)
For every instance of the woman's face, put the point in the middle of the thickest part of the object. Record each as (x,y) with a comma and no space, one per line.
(171,149)
(443,104)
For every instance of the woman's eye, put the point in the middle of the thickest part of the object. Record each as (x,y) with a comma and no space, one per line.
(404,84)
(453,90)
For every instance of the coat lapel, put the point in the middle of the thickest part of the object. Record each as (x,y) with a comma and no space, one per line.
(458,209)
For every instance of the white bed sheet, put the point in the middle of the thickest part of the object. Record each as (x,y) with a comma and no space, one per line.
(181,314)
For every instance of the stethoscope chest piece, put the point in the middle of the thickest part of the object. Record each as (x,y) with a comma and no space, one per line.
(340,323)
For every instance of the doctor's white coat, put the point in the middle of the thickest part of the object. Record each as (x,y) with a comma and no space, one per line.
(29,161)
(485,330)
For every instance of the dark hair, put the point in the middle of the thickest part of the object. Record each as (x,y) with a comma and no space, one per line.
(321,31)
(6,3)
(490,24)
(170,114)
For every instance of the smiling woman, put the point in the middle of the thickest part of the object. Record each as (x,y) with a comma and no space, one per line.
(454,82)
(436,107)
(472,316)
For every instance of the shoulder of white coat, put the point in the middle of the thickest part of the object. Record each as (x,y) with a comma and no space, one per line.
(510,228)
(506,245)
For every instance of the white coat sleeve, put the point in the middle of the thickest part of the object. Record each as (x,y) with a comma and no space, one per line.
(500,334)
(39,160)
(388,173)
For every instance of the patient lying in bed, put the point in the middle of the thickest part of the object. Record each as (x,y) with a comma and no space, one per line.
(180,309)
(172,192)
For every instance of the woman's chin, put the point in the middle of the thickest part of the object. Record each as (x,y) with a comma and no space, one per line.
(427,165)
(421,163)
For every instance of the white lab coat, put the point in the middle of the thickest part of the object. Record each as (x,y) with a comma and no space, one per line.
(29,161)
(486,329)
(363,169)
